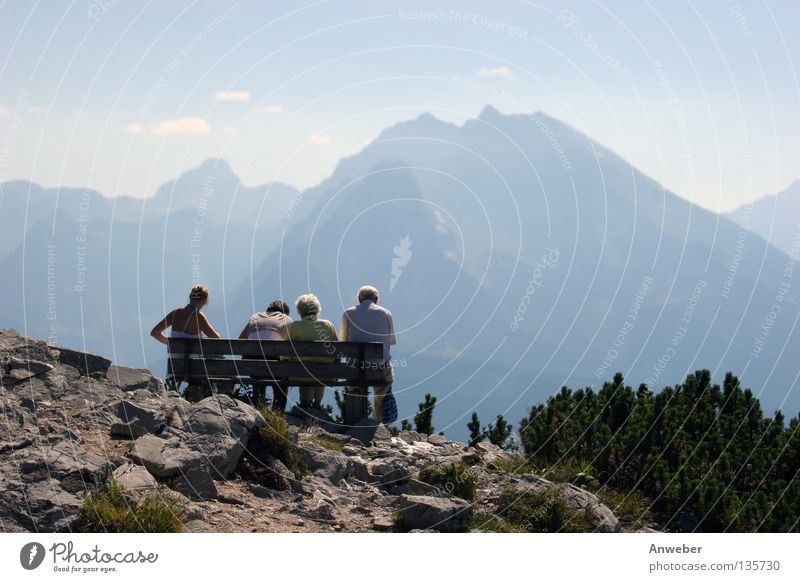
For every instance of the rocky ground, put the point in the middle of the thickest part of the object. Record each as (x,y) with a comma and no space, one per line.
(73,421)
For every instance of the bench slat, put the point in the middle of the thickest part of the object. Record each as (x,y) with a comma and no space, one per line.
(256,369)
(271,349)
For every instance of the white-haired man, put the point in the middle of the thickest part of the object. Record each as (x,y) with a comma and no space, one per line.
(369,322)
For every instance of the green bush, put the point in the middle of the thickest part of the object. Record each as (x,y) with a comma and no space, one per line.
(546,511)
(708,455)
(454,479)
(107,510)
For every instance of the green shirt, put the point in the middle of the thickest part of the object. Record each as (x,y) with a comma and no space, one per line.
(312,329)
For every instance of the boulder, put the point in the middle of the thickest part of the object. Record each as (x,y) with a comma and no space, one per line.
(323,462)
(491,453)
(438,439)
(437,513)
(196,483)
(602,516)
(416,487)
(43,485)
(216,429)
(135,479)
(129,430)
(151,420)
(391,474)
(86,363)
(368,430)
(130,379)
(412,436)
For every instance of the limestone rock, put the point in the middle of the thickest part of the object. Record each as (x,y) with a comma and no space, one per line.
(323,462)
(86,363)
(438,440)
(130,379)
(196,482)
(412,436)
(437,513)
(135,479)
(127,430)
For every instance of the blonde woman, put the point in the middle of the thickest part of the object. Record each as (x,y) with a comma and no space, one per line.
(311,328)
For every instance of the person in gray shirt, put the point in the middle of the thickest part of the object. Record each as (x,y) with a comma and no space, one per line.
(369,322)
(270,325)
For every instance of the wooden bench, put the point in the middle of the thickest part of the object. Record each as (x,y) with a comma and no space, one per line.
(261,363)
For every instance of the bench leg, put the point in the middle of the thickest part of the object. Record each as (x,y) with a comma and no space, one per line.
(356,404)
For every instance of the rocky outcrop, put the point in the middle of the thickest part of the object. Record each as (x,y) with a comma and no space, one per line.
(436,513)
(73,421)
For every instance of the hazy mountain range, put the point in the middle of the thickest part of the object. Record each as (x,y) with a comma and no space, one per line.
(775,218)
(516,254)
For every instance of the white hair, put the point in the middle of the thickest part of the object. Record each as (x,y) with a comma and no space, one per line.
(307,305)
(368,292)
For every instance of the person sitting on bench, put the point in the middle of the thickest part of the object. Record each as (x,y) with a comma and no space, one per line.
(187,322)
(311,328)
(270,325)
(369,322)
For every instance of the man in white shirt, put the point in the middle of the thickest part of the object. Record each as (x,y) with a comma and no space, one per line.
(369,322)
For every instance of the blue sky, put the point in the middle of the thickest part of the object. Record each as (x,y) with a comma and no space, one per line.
(124,96)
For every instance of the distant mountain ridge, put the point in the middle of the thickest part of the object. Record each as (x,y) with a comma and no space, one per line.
(775,217)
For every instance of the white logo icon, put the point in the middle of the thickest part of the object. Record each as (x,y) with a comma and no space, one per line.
(402,255)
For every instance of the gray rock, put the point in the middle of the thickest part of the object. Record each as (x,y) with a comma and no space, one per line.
(216,429)
(365,431)
(130,379)
(43,485)
(198,526)
(382,524)
(491,453)
(282,471)
(359,469)
(437,513)
(16,369)
(129,430)
(196,482)
(392,475)
(323,462)
(438,439)
(148,451)
(86,363)
(602,516)
(152,420)
(416,487)
(412,436)
(135,478)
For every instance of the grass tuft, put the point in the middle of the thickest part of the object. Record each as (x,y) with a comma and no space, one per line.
(108,510)
(545,511)
(454,479)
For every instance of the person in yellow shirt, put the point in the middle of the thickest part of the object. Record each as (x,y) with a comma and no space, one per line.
(311,328)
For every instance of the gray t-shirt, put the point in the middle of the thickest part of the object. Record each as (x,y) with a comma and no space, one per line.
(368,322)
(268,326)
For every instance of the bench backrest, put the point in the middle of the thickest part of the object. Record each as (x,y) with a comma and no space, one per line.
(297,363)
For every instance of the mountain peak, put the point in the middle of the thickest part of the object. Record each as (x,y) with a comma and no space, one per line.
(489,113)
(217,167)
(424,124)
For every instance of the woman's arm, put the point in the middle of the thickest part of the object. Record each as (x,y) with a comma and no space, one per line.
(206,327)
(245,332)
(158,331)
